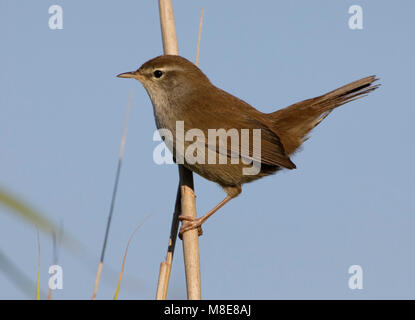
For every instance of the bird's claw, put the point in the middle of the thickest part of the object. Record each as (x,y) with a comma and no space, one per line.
(189,223)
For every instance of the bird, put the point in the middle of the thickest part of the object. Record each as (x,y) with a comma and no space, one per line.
(181,92)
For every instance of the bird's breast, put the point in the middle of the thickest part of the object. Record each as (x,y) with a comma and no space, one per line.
(164,113)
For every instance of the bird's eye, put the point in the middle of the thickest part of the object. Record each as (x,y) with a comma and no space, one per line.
(158,73)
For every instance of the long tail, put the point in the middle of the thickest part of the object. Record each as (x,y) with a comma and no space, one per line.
(294,123)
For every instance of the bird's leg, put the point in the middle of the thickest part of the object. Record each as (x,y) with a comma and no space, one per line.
(189,223)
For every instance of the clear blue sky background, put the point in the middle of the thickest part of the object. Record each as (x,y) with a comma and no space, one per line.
(293,235)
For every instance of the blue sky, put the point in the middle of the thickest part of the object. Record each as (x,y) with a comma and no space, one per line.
(351,200)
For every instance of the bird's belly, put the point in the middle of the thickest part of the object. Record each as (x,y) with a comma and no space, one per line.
(228,174)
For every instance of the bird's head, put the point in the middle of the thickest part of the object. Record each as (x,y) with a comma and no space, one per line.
(168,74)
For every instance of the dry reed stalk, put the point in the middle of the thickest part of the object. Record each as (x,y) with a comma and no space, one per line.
(187,203)
(114,193)
(54,261)
(199,36)
(38,266)
(117,290)
(165,266)
(191,237)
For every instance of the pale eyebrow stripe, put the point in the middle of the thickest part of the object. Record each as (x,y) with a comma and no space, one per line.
(169,68)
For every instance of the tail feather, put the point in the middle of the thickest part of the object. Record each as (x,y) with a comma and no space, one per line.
(294,123)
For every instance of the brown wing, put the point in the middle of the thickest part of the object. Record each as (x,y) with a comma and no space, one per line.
(228,112)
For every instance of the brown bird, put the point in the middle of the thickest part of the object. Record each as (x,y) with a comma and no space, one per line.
(180,91)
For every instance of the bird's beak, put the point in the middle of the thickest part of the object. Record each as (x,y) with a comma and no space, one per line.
(127,75)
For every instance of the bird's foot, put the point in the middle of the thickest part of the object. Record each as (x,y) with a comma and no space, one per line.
(190,223)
